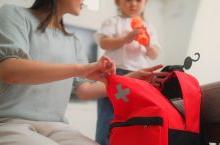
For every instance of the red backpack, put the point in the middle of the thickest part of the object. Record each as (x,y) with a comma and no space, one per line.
(145,115)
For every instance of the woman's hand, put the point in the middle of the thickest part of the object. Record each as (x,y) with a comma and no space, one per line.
(148,74)
(103,67)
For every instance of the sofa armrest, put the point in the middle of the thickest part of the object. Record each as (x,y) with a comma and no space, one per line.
(210,110)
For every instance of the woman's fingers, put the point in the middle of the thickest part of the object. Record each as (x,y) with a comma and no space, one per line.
(162,74)
(142,75)
(108,65)
(160,78)
(154,68)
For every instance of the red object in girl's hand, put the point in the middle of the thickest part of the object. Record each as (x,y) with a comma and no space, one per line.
(143,37)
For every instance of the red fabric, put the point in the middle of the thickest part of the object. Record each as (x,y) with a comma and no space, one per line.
(192,99)
(144,100)
(137,135)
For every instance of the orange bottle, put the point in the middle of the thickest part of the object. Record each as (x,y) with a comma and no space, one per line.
(143,37)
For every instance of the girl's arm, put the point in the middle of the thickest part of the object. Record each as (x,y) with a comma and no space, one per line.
(154,47)
(88,91)
(110,43)
(152,52)
(22,71)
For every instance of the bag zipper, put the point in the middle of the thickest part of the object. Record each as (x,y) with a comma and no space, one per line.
(139,121)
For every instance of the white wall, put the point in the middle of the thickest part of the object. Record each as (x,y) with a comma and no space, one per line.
(93,19)
(154,13)
(206,40)
(178,18)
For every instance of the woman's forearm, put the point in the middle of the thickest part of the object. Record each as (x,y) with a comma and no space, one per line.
(21,71)
(88,91)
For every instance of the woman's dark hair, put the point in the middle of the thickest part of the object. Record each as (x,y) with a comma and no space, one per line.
(50,8)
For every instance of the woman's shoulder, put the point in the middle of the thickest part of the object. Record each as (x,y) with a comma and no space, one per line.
(16,15)
(10,9)
(13,12)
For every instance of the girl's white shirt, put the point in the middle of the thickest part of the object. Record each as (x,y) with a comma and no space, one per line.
(131,56)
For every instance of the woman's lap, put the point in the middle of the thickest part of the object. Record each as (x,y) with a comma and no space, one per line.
(24,132)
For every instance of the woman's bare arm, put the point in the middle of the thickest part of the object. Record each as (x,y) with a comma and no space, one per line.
(22,71)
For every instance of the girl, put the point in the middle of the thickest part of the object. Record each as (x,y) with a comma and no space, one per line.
(38,61)
(117,38)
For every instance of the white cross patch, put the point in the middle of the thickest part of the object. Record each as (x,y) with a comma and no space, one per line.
(122,94)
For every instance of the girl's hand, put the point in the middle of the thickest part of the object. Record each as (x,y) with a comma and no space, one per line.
(148,74)
(131,36)
(103,67)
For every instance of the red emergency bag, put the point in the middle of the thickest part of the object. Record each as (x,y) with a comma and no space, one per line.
(145,115)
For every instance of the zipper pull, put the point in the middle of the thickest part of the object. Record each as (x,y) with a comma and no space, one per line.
(146,126)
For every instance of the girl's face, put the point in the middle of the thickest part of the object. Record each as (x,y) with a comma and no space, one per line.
(70,6)
(131,8)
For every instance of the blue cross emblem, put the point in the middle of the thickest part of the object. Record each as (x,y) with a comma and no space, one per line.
(122,94)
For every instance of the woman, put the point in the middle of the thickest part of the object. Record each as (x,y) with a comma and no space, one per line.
(38,61)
